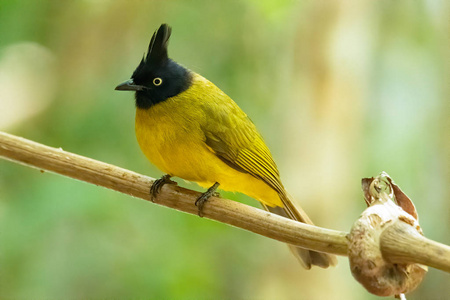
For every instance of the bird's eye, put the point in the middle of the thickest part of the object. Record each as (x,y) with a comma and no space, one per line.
(157,81)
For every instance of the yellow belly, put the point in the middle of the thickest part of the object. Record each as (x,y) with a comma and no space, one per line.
(172,140)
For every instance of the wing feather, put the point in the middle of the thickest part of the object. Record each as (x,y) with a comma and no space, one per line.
(233,137)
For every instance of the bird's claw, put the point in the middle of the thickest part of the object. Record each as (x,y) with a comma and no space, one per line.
(158,184)
(200,202)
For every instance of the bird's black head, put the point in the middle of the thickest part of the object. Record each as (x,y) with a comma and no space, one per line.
(157,77)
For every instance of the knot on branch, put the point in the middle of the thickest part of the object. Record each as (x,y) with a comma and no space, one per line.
(391,212)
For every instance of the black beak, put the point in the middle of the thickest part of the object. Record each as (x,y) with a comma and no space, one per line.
(129,86)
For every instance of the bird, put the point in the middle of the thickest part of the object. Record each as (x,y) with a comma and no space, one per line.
(189,128)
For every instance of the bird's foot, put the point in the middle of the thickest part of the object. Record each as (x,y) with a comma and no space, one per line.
(158,184)
(204,197)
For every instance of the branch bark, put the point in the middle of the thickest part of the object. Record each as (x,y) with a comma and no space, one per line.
(56,160)
(400,247)
(226,211)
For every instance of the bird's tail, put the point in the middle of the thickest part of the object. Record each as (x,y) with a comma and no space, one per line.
(306,257)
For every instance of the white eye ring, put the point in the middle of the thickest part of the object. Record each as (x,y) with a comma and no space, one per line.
(157,81)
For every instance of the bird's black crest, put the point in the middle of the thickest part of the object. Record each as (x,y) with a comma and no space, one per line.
(157,50)
(157,56)
(156,64)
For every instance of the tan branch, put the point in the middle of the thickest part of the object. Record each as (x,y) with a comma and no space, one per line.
(226,211)
(400,247)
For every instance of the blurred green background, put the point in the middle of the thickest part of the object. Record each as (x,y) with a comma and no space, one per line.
(340,91)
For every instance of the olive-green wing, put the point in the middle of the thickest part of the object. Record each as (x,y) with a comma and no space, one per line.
(235,140)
